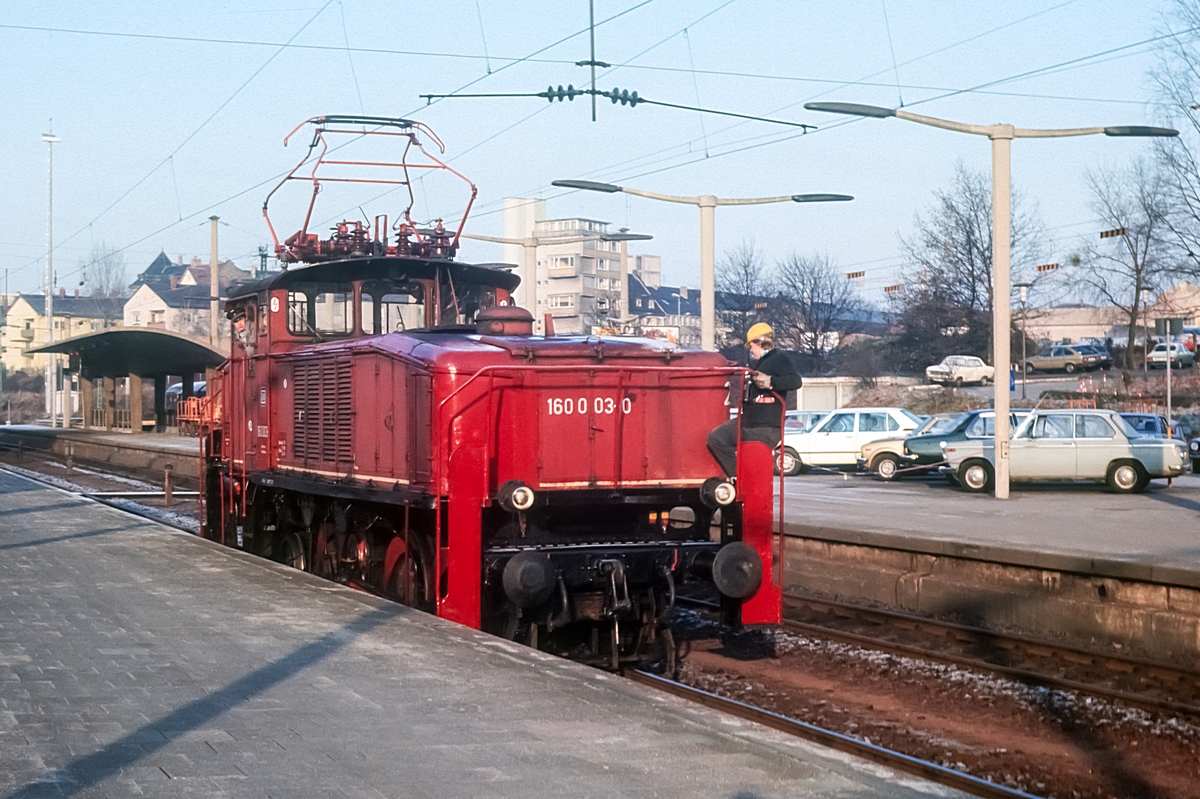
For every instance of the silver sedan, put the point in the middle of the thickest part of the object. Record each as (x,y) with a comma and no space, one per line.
(1070,445)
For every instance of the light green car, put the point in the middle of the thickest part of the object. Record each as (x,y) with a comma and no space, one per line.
(1070,445)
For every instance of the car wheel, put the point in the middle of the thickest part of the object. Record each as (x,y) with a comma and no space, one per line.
(887,466)
(983,381)
(958,381)
(1126,477)
(976,476)
(1070,368)
(789,463)
(1029,369)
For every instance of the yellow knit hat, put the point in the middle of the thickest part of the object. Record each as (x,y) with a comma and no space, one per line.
(757,331)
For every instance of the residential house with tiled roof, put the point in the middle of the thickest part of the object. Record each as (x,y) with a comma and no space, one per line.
(25,325)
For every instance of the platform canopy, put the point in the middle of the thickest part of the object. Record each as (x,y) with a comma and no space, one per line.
(120,351)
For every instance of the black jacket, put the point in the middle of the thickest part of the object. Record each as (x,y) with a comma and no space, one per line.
(760,407)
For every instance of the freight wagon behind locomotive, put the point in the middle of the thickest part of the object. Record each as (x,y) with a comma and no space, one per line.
(387,418)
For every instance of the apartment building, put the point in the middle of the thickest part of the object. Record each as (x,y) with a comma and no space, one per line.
(578,280)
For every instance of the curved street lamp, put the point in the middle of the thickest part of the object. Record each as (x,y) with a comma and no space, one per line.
(1001,136)
(707,204)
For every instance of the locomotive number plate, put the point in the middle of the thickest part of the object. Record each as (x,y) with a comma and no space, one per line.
(601,406)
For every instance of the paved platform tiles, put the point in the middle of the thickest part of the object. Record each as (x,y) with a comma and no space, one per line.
(1069,527)
(139,661)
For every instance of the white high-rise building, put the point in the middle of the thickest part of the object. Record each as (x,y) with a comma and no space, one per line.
(578,282)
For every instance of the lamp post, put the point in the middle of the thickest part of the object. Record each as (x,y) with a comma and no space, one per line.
(707,204)
(1001,137)
(51,361)
(1024,289)
(528,293)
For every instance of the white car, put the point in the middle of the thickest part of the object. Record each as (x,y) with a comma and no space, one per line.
(957,370)
(1181,357)
(839,438)
(1070,445)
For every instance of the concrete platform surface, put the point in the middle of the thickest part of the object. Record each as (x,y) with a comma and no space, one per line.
(139,661)
(1073,527)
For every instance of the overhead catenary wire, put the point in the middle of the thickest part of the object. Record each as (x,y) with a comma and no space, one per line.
(770,139)
(201,127)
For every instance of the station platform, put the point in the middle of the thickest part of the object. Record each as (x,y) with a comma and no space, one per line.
(145,453)
(1076,527)
(135,660)
(1067,562)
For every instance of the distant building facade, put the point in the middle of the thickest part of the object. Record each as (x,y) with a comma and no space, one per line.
(578,283)
(25,325)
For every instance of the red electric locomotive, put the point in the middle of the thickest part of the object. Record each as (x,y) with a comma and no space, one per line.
(387,418)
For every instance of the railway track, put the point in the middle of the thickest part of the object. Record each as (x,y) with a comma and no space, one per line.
(1141,683)
(834,740)
(1137,682)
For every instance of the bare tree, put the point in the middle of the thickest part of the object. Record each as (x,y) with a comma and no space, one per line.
(1176,77)
(104,271)
(1118,269)
(950,257)
(816,303)
(744,290)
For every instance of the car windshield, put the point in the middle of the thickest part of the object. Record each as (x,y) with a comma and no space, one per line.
(938,425)
(1129,430)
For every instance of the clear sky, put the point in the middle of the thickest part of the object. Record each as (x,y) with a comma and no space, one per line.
(170,112)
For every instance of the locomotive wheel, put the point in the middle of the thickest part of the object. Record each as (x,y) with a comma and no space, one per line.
(660,657)
(410,577)
(356,557)
(292,552)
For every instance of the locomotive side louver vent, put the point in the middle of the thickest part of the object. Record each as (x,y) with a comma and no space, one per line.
(323,411)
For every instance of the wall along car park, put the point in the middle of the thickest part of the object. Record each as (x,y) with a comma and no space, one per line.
(1070,445)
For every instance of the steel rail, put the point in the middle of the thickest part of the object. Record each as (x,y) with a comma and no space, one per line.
(1112,663)
(834,740)
(1125,663)
(27,474)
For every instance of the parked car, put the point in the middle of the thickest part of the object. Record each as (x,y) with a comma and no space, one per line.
(1070,445)
(1180,356)
(1151,424)
(839,438)
(1064,358)
(799,421)
(925,449)
(885,455)
(957,370)
(174,393)
(1194,453)
(1106,360)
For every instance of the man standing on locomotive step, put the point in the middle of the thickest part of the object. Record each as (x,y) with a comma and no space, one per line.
(772,376)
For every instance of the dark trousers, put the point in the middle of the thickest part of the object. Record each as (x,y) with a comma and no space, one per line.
(723,440)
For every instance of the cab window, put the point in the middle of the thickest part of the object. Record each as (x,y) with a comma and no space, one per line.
(321,309)
(393,307)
